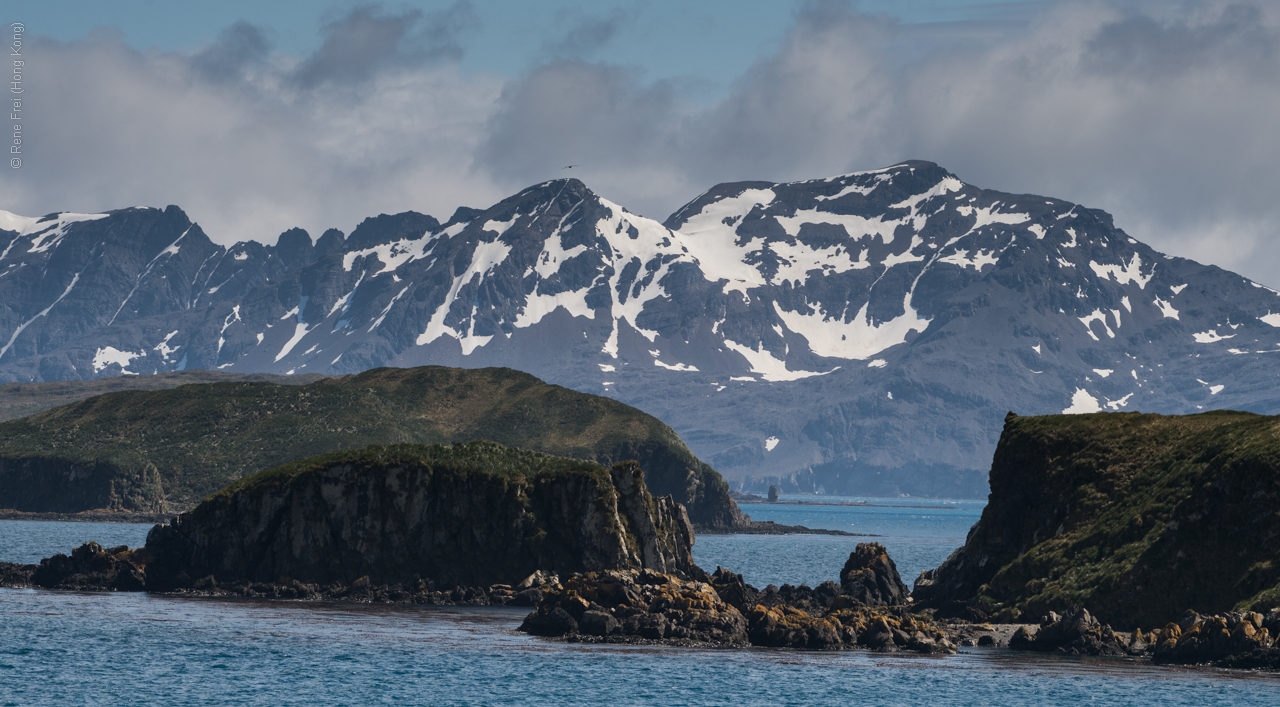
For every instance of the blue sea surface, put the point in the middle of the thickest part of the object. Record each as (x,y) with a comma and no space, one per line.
(918,532)
(63,648)
(29,541)
(67,648)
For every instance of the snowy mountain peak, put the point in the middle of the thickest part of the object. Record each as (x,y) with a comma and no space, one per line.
(865,332)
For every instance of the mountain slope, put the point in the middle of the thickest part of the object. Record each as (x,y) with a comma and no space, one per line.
(860,334)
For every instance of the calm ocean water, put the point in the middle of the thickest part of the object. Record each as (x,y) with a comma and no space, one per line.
(63,648)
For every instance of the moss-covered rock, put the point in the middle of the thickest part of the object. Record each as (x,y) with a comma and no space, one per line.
(474,514)
(1135,517)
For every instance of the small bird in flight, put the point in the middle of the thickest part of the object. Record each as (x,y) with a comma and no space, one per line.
(569,166)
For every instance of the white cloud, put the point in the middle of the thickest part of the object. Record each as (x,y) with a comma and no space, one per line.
(1159,113)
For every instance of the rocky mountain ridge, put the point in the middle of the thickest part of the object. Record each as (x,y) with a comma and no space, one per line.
(863,334)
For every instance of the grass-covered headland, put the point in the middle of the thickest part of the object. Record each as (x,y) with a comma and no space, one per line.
(167,449)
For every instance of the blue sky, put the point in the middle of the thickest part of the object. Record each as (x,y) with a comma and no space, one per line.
(709,41)
(256,117)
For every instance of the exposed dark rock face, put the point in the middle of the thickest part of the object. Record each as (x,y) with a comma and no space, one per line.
(871,578)
(92,567)
(477,514)
(1135,517)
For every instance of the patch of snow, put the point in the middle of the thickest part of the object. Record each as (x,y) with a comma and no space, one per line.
(242,255)
(47,234)
(500,227)
(1073,243)
(1166,309)
(1272,319)
(1099,316)
(1124,273)
(487,256)
(42,313)
(299,331)
(1104,372)
(391,255)
(858,339)
(878,363)
(767,366)
(1037,348)
(385,310)
(1082,402)
(110,354)
(1037,229)
(677,367)
(1122,402)
(1125,301)
(890,395)
(1178,289)
(1236,351)
(226,322)
(1211,336)
(164,348)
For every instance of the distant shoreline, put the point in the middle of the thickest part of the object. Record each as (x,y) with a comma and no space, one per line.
(95,516)
(768,527)
(861,504)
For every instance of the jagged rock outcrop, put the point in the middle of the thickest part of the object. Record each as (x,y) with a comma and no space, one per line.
(475,514)
(871,578)
(92,567)
(1076,632)
(1237,639)
(725,610)
(1135,517)
(644,604)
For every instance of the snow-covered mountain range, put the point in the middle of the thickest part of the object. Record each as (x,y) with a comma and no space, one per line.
(863,334)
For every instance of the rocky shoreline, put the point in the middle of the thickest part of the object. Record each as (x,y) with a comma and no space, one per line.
(870,609)
(101,515)
(768,527)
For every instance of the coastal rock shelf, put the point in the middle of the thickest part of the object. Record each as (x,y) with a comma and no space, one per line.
(649,606)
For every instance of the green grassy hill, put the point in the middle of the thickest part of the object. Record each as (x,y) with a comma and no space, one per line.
(1136,517)
(139,449)
(22,399)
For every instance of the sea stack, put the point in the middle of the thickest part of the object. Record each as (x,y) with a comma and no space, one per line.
(474,514)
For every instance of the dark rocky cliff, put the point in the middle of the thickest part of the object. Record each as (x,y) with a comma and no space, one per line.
(1136,517)
(474,514)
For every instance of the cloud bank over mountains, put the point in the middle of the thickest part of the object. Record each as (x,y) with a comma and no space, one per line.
(1161,113)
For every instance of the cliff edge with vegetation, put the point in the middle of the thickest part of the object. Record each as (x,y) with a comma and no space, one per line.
(474,514)
(167,449)
(1135,517)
